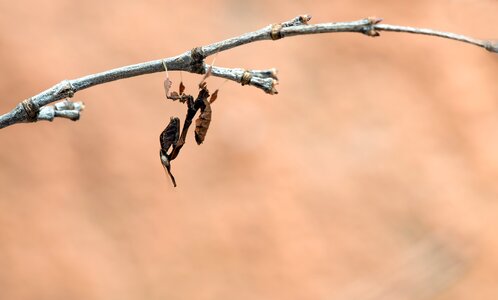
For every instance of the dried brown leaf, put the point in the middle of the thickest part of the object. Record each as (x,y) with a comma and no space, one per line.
(170,134)
(202,123)
(169,137)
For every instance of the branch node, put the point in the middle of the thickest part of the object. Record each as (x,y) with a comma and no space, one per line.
(370,29)
(31,108)
(66,89)
(374,20)
(197,56)
(299,20)
(246,78)
(275,33)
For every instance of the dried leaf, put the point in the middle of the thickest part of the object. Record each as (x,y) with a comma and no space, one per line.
(170,134)
(167,85)
(181,89)
(214,96)
(202,123)
(169,137)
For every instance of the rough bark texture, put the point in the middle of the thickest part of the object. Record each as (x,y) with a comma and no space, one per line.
(371,174)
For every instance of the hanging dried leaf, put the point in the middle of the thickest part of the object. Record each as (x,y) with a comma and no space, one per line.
(202,123)
(170,134)
(167,85)
(169,137)
(214,96)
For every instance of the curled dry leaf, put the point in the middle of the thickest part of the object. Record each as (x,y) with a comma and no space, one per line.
(170,134)
(202,123)
(168,138)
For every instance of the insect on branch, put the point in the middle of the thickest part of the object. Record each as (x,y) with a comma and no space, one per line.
(171,137)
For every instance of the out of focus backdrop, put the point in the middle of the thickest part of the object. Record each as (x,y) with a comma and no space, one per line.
(371,175)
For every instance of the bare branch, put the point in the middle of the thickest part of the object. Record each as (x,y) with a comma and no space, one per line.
(193,61)
(488,45)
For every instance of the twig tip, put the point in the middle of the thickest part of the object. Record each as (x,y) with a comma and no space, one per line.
(273,90)
(491,46)
(305,19)
(374,20)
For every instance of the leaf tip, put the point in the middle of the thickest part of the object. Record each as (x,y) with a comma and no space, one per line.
(214,96)
(181,88)
(198,138)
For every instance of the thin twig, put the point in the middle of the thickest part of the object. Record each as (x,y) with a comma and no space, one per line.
(64,109)
(488,45)
(193,61)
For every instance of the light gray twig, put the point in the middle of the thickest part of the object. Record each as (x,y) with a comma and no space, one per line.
(64,109)
(263,79)
(193,61)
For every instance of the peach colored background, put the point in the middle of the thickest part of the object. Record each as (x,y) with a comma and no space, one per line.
(371,175)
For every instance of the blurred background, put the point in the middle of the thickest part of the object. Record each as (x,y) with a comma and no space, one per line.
(371,175)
